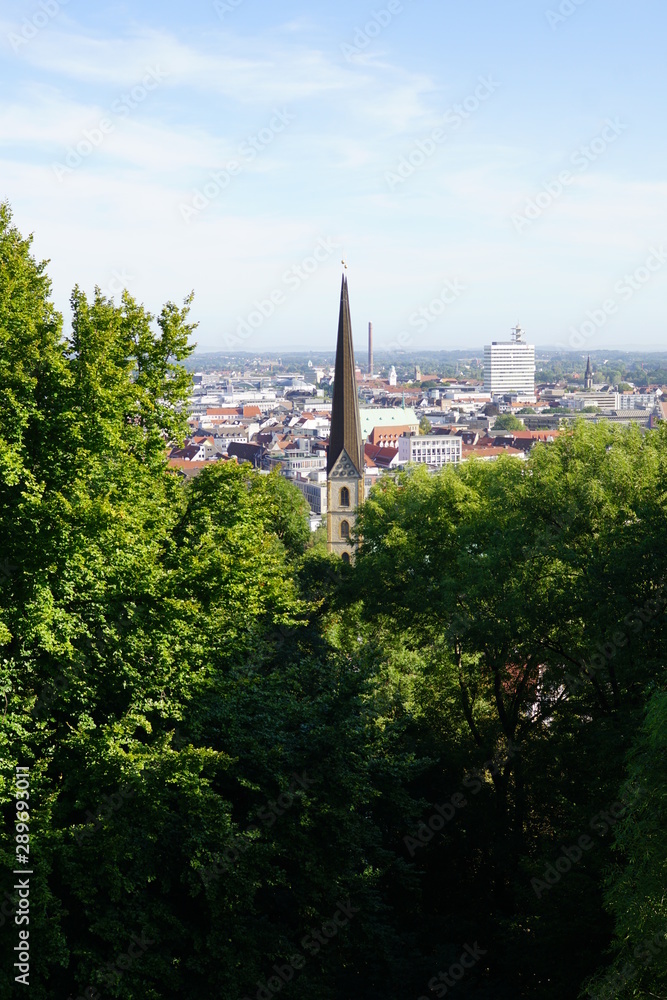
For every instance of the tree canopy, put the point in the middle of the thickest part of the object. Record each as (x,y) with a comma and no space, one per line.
(255,771)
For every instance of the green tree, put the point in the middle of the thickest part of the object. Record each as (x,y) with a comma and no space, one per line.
(508,422)
(637,893)
(490,574)
(425,426)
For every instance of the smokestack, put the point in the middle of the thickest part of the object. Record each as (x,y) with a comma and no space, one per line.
(370,348)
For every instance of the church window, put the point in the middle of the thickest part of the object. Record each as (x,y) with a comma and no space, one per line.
(346,557)
(345,497)
(344,529)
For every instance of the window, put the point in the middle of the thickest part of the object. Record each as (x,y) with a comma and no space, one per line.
(345,497)
(344,529)
(346,557)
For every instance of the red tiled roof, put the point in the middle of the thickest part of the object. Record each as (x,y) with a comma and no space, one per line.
(189,468)
(379,456)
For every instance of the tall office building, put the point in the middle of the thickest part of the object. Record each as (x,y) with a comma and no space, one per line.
(509,366)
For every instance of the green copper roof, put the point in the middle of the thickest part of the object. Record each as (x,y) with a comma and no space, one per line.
(394,416)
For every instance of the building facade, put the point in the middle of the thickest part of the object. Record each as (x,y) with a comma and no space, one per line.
(345,458)
(314,492)
(430,449)
(509,367)
(605,401)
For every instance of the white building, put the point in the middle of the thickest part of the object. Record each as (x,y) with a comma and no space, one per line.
(430,449)
(604,401)
(509,367)
(393,378)
(637,400)
(314,489)
(294,463)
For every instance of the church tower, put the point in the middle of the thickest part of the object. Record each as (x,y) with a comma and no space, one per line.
(588,377)
(345,459)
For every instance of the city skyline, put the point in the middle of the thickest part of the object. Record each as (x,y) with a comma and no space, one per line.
(473,166)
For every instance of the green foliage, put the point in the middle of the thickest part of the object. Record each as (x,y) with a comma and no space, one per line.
(491,573)
(637,892)
(425,426)
(231,734)
(508,422)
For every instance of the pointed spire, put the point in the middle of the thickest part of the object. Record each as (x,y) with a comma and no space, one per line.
(589,370)
(345,419)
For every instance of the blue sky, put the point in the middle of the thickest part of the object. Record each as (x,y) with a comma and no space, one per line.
(475,164)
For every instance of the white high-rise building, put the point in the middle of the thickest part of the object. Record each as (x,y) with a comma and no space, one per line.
(509,367)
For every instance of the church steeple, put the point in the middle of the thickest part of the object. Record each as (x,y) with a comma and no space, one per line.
(345,458)
(345,421)
(588,377)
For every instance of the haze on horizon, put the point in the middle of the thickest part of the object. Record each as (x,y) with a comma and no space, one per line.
(475,164)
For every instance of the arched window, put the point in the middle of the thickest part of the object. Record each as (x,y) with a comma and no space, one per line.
(345,497)
(346,557)
(344,529)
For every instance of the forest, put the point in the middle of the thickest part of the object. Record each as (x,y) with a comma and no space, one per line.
(256,772)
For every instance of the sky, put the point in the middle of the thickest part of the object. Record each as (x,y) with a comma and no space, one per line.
(475,165)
